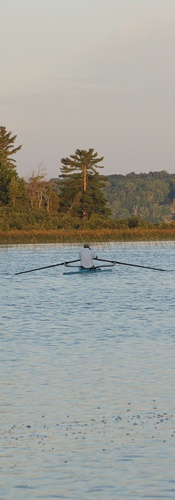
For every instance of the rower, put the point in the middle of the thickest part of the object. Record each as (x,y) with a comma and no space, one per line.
(86,255)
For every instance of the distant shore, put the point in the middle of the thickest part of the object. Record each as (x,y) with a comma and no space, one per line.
(91,235)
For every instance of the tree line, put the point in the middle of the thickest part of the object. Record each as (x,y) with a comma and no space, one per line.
(150,197)
(76,195)
(80,196)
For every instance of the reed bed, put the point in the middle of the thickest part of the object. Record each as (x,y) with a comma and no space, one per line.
(89,235)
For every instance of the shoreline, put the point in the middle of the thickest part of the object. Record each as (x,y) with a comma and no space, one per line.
(80,236)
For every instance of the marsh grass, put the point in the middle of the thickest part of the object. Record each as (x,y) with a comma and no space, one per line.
(91,235)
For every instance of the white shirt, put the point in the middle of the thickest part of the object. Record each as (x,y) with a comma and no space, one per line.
(86,255)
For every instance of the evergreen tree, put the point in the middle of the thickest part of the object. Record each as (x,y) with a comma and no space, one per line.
(81,185)
(18,194)
(7,163)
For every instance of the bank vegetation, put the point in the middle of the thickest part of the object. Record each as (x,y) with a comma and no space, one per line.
(81,204)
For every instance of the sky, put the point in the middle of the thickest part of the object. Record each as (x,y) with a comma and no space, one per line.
(80,74)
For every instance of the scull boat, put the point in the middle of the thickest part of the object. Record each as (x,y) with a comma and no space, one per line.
(84,271)
(91,270)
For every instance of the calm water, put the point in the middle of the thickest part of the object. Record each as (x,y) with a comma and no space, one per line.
(87,375)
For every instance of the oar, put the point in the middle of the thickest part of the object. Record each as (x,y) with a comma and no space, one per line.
(46,267)
(133,265)
(105,265)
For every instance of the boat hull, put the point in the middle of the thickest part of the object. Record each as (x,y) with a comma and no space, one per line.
(88,271)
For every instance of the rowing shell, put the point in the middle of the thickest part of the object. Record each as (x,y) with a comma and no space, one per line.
(88,271)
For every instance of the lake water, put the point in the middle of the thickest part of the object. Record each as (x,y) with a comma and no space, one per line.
(87,375)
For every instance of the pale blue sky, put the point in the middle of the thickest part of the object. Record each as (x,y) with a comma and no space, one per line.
(89,74)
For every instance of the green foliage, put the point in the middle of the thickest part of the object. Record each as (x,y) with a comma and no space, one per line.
(146,196)
(7,148)
(133,222)
(81,186)
(7,163)
(81,197)
(21,218)
(18,193)
(80,162)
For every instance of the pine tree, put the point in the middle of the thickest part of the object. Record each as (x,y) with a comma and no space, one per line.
(18,194)
(7,163)
(81,185)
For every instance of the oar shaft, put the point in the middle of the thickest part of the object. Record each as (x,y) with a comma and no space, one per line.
(105,260)
(105,265)
(133,265)
(38,269)
(138,265)
(46,267)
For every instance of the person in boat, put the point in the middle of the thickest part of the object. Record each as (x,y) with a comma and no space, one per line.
(86,255)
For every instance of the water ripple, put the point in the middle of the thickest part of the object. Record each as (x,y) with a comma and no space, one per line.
(87,376)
